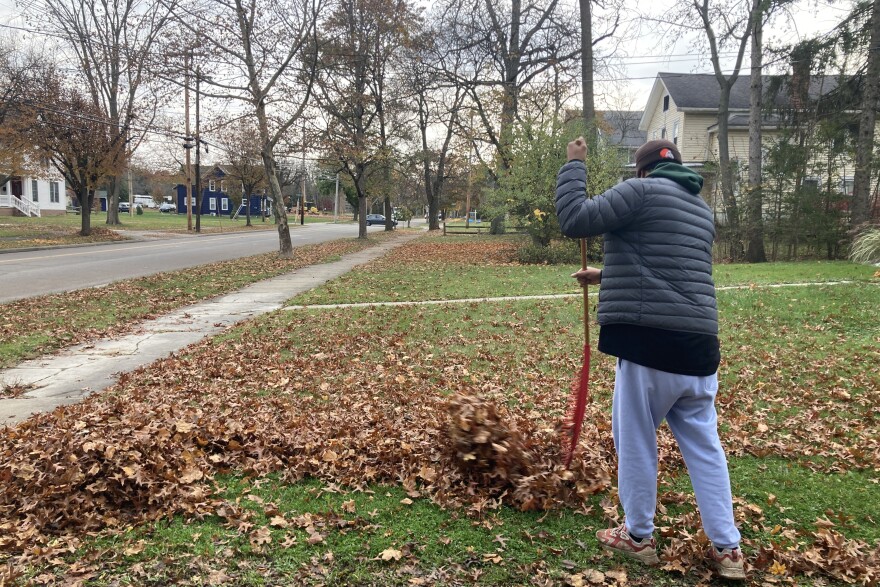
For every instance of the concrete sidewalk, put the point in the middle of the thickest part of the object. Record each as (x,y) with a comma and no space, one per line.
(73,373)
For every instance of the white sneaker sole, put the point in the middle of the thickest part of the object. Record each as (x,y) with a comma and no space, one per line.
(648,557)
(729,573)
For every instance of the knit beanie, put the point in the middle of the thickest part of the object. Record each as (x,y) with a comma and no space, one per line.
(654,151)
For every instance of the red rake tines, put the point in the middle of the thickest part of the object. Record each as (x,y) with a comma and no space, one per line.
(577,408)
(580,393)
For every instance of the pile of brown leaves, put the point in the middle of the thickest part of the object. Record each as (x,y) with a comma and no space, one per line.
(485,441)
(490,450)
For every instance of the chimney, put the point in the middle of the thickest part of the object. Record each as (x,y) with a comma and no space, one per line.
(801,63)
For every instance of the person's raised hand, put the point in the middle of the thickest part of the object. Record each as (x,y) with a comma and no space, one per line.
(577,149)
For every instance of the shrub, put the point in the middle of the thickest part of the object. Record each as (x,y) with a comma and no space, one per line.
(138,210)
(560,252)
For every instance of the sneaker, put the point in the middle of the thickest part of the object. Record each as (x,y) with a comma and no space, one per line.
(728,563)
(619,540)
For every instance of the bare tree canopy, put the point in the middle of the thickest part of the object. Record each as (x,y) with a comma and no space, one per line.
(355,90)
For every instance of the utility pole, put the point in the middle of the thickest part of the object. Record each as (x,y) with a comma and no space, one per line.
(187,144)
(130,197)
(302,209)
(467,206)
(198,158)
(128,159)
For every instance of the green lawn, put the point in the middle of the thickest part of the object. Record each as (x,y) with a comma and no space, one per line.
(311,446)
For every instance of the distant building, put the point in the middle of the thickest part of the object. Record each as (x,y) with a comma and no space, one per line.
(216,200)
(33,196)
(621,129)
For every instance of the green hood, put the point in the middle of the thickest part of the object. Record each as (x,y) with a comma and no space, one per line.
(683,176)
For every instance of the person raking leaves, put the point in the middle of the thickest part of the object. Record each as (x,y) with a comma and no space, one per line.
(657,314)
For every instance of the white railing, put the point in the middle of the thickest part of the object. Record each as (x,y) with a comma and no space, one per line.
(26,207)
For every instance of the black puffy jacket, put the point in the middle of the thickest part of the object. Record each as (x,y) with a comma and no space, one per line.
(658,246)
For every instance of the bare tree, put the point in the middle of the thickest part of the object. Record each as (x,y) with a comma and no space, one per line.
(114,44)
(736,20)
(590,39)
(439,107)
(244,163)
(505,47)
(362,37)
(260,53)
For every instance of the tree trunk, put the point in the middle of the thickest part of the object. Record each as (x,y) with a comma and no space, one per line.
(362,213)
(86,198)
(860,208)
(754,208)
(285,245)
(114,186)
(430,194)
(510,100)
(589,108)
(731,211)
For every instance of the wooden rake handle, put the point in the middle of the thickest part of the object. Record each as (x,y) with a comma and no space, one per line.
(586,294)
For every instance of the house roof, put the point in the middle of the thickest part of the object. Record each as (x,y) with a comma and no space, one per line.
(700,92)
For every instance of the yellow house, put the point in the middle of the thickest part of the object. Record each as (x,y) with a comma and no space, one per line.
(683,108)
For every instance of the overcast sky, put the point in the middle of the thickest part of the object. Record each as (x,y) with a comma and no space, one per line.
(642,53)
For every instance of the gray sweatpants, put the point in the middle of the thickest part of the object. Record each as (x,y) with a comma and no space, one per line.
(643,398)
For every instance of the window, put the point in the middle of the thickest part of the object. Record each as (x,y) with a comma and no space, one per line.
(224,204)
(222,186)
(846,186)
(812,183)
(675,133)
(211,186)
(54,196)
(663,133)
(212,204)
(665,103)
(35,191)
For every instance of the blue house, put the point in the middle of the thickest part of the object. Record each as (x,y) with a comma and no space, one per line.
(215,198)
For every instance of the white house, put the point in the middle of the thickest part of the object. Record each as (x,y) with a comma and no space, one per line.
(33,196)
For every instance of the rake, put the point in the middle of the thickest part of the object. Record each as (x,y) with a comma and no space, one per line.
(580,394)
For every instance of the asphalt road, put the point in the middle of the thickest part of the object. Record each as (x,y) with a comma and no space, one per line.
(32,273)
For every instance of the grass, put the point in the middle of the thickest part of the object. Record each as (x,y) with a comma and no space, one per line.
(792,495)
(346,534)
(435,278)
(797,409)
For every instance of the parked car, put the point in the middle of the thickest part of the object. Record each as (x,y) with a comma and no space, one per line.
(378,219)
(124,207)
(168,208)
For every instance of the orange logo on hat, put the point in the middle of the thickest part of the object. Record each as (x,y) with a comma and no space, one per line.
(667,153)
